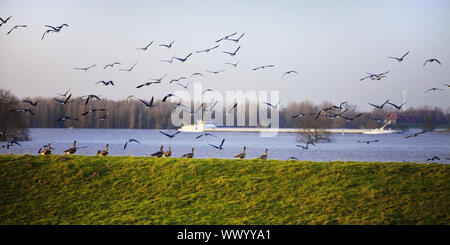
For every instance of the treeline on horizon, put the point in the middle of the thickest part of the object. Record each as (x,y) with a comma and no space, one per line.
(134,115)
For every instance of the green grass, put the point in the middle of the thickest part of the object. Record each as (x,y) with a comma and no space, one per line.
(142,190)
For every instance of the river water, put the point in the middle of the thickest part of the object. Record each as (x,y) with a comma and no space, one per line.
(391,147)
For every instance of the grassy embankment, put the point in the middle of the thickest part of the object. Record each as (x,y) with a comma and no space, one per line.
(139,190)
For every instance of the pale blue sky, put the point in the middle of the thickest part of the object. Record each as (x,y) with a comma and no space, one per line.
(330,43)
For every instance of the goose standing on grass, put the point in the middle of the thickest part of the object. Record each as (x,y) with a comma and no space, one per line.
(189,155)
(241,155)
(167,153)
(158,153)
(46,151)
(72,150)
(264,155)
(104,152)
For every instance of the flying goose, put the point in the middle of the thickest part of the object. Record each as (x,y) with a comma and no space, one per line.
(431,159)
(184,86)
(33,104)
(129,141)
(63,95)
(216,72)
(431,60)
(15,27)
(148,105)
(226,37)
(220,147)
(57,28)
(399,59)
(168,61)
(379,106)
(232,109)
(176,80)
(262,67)
(90,97)
(207,50)
(112,65)
(103,152)
(102,118)
(196,74)
(65,101)
(447,85)
(3,21)
(146,47)
(205,134)
(398,107)
(434,89)
(350,118)
(65,118)
(273,106)
(131,68)
(367,141)
(24,110)
(264,155)
(167,153)
(374,76)
(232,53)
(306,145)
(183,59)
(146,84)
(167,46)
(92,110)
(11,143)
(241,155)
(233,64)
(85,68)
(158,153)
(168,96)
(106,83)
(237,39)
(289,72)
(189,155)
(170,135)
(46,151)
(292,159)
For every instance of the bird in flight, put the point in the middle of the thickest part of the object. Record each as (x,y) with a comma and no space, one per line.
(232,53)
(183,59)
(170,135)
(205,134)
(232,109)
(150,104)
(167,46)
(93,111)
(196,74)
(131,68)
(64,118)
(349,118)
(262,67)
(3,21)
(216,72)
(226,37)
(106,83)
(302,115)
(33,104)
(176,80)
(367,141)
(374,76)
(398,107)
(159,80)
(447,85)
(434,89)
(431,61)
(24,110)
(233,64)
(415,135)
(85,68)
(168,96)
(399,59)
(168,61)
(129,141)
(289,72)
(207,50)
(90,97)
(65,101)
(220,147)
(273,106)
(306,146)
(237,39)
(11,143)
(146,47)
(53,29)
(184,86)
(63,95)
(431,159)
(207,90)
(15,27)
(146,84)
(111,65)
(379,106)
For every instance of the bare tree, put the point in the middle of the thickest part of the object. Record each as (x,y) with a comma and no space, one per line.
(12,124)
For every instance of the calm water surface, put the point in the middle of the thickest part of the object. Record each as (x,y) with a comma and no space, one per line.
(392,147)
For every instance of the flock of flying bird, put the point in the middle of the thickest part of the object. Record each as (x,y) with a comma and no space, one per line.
(331,112)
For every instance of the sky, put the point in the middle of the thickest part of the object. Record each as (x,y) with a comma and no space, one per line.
(331,44)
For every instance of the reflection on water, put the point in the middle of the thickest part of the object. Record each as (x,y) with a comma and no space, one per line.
(391,147)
